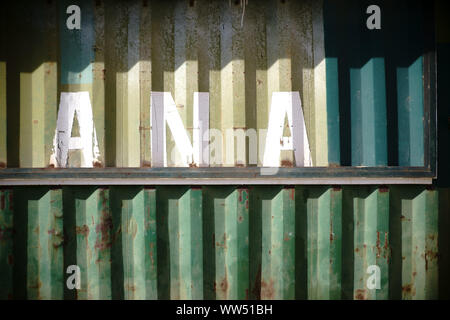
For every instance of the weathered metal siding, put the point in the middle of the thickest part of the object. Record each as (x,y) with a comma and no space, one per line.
(224,242)
(361,90)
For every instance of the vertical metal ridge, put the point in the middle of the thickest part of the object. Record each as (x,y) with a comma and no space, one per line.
(417,211)
(134,225)
(324,243)
(44,246)
(410,114)
(371,242)
(278,244)
(92,237)
(6,244)
(368,114)
(227,243)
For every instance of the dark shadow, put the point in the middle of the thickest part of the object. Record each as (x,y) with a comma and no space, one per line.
(163,195)
(348,243)
(400,42)
(117,196)
(301,243)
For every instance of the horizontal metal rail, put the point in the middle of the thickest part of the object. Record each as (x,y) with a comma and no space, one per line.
(216,175)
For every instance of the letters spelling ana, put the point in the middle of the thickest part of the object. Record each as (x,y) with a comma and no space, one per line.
(164,111)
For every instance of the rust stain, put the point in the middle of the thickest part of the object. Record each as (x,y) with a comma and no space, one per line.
(2,165)
(409,289)
(224,283)
(151,253)
(292,194)
(97,164)
(430,255)
(10,259)
(224,244)
(246,204)
(36,285)
(286,163)
(240,194)
(240,218)
(383,189)
(104,228)
(267,289)
(378,245)
(286,237)
(360,294)
(146,164)
(257,285)
(84,230)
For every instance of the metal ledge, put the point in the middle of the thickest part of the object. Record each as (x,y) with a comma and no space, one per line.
(216,175)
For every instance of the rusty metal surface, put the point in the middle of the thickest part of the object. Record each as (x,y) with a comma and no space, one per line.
(213,242)
(125,50)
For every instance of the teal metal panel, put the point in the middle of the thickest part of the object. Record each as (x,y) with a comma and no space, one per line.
(410,114)
(77,45)
(368,114)
(332,83)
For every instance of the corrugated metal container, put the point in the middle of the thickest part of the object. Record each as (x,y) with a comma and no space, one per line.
(364,104)
(361,90)
(224,242)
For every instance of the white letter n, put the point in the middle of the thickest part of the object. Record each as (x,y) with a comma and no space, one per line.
(164,110)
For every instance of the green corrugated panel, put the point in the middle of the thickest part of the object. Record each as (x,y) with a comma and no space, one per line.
(324,242)
(371,241)
(134,246)
(180,243)
(226,225)
(6,244)
(39,239)
(414,212)
(272,244)
(444,243)
(88,228)
(216,242)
